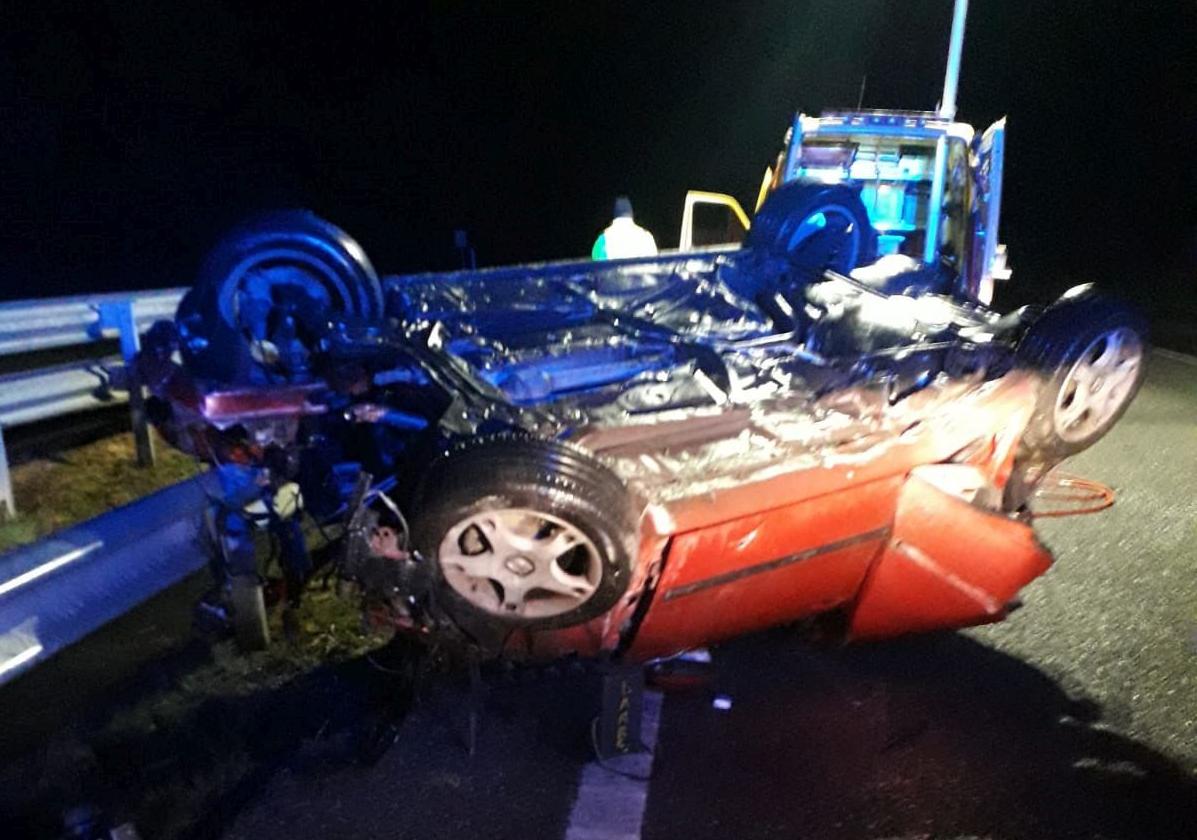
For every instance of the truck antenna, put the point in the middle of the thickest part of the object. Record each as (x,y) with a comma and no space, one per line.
(860,99)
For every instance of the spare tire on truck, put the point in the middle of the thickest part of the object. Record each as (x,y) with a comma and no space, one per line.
(814,227)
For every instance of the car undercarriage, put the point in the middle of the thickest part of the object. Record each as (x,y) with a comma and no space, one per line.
(526,458)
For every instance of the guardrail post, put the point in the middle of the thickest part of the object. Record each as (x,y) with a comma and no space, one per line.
(8,504)
(120,315)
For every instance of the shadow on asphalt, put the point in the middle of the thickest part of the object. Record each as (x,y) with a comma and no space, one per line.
(937,736)
(532,738)
(191,775)
(180,775)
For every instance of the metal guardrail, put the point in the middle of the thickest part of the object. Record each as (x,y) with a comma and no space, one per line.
(40,324)
(63,389)
(59,589)
(32,325)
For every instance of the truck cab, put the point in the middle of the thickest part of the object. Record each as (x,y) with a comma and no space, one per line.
(932,187)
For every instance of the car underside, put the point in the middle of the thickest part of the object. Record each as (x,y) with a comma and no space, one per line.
(636,457)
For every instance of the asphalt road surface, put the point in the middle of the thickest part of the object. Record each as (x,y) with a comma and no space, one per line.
(1075,718)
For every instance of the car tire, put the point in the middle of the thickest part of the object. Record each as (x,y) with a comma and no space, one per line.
(312,265)
(787,226)
(524,532)
(1090,355)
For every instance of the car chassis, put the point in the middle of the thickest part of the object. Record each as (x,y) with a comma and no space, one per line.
(634,458)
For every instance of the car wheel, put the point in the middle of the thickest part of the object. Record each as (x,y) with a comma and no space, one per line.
(815,227)
(266,293)
(524,532)
(1091,355)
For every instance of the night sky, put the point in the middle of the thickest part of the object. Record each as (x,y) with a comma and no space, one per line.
(134,131)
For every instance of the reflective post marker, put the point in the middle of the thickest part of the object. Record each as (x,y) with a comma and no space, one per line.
(623,703)
(8,505)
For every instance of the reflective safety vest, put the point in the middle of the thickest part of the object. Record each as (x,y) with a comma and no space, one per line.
(624,239)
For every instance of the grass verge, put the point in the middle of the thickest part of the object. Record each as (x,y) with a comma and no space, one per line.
(75,485)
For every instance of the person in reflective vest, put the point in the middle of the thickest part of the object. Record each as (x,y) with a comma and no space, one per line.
(623,238)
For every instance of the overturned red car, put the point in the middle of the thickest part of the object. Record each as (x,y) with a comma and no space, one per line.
(638,457)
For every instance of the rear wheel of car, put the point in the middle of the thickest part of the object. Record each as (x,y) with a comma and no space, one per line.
(815,227)
(525,532)
(266,294)
(1091,355)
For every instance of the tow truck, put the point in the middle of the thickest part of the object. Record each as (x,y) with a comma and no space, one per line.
(913,172)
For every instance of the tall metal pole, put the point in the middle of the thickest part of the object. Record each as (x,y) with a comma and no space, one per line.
(947,111)
(947,104)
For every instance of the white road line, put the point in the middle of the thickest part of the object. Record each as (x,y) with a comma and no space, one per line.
(1183,358)
(611,806)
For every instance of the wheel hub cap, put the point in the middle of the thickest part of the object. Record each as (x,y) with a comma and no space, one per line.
(521,566)
(520,562)
(1098,384)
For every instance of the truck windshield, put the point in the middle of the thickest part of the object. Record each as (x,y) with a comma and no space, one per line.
(894,176)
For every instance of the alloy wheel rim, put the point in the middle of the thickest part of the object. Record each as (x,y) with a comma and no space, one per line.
(520,563)
(1098,384)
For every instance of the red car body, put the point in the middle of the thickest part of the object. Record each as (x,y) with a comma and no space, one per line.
(872,532)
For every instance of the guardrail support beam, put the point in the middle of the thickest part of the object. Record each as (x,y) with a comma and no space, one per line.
(120,315)
(8,503)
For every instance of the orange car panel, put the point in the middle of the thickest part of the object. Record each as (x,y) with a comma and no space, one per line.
(947,564)
(766,568)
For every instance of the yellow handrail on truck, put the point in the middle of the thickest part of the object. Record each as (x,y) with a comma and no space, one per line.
(696,197)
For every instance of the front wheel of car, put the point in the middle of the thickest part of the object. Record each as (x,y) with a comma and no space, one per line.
(525,532)
(1091,355)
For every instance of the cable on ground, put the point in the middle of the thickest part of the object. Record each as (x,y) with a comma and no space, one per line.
(1071,495)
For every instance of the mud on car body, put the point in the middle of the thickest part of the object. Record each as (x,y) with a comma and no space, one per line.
(636,457)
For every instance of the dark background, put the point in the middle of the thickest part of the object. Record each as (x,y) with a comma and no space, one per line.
(133,131)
